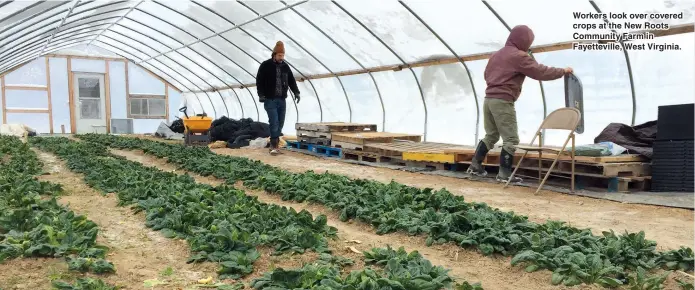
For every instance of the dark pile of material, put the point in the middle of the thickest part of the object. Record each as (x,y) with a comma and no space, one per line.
(637,139)
(177,126)
(238,133)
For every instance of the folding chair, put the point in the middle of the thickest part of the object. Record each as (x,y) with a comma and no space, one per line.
(560,119)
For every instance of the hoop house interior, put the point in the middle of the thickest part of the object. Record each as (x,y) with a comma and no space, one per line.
(399,64)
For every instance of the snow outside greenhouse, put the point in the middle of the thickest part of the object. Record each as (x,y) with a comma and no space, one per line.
(567,127)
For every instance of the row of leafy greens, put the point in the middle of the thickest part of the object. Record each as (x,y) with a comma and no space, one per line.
(221,223)
(389,269)
(32,226)
(224,225)
(574,255)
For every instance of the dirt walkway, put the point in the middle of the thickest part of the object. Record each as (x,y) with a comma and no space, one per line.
(670,227)
(138,253)
(493,273)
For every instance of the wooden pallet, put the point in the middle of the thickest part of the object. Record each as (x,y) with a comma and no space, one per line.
(627,169)
(466,155)
(430,157)
(363,138)
(559,178)
(317,149)
(313,134)
(594,181)
(346,145)
(335,127)
(315,140)
(397,148)
(357,155)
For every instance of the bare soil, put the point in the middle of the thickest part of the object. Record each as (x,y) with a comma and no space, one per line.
(670,227)
(492,272)
(141,254)
(138,253)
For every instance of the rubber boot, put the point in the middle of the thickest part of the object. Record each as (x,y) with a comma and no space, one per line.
(476,167)
(506,163)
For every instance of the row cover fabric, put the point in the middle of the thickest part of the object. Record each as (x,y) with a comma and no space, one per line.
(17,130)
(600,149)
(177,126)
(637,139)
(238,133)
(164,131)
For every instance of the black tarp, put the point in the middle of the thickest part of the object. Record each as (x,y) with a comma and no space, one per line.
(177,126)
(637,139)
(238,133)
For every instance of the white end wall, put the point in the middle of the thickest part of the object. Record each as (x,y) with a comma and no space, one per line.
(34,103)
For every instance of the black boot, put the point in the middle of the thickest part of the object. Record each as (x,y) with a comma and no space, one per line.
(476,167)
(506,163)
(274,146)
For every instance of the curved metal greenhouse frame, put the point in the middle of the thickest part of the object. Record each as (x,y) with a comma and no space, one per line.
(177,43)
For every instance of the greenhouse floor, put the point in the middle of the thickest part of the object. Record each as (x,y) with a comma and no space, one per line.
(684,200)
(142,255)
(599,214)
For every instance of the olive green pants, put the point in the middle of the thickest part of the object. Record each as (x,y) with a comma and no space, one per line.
(499,119)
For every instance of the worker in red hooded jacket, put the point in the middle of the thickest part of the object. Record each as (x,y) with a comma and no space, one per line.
(504,75)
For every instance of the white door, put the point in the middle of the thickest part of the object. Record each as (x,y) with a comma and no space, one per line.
(90,107)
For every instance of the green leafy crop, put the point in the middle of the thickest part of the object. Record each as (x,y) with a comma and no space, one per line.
(221,223)
(83,284)
(35,227)
(393,270)
(574,255)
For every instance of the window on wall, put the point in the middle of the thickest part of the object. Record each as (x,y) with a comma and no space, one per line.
(147,106)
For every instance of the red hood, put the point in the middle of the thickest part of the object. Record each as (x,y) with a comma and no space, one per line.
(520,37)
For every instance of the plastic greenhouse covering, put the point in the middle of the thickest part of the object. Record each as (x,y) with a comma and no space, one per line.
(356,60)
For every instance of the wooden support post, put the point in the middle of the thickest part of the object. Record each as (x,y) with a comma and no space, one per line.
(107,96)
(40,111)
(71,100)
(127,85)
(4,98)
(166,101)
(127,91)
(27,88)
(48,95)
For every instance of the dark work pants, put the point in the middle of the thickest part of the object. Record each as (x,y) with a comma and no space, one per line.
(275,108)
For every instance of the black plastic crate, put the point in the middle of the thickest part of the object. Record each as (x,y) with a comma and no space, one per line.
(669,152)
(673,178)
(678,186)
(672,186)
(671,189)
(683,186)
(672,165)
(666,144)
(673,150)
(676,122)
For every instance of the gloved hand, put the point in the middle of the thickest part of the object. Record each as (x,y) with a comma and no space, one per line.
(261,99)
(296,98)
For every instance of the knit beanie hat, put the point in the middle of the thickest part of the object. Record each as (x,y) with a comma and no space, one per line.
(279,47)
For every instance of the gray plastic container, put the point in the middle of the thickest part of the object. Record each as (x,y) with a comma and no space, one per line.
(574,98)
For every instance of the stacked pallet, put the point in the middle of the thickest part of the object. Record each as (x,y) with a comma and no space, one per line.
(317,137)
(672,163)
(623,173)
(358,140)
(322,133)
